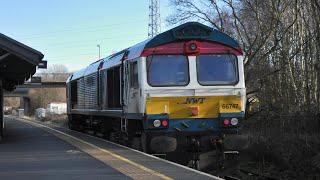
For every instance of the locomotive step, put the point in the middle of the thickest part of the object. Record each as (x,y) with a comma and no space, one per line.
(231,152)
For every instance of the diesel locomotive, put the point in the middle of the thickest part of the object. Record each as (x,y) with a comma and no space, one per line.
(182,91)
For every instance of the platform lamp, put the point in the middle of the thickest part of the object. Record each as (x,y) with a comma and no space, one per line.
(99,49)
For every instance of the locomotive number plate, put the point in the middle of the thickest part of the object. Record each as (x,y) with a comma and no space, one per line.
(230,106)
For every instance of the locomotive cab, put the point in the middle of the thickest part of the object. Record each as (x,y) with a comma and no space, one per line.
(191,87)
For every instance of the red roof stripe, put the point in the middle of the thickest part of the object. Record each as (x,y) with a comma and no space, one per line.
(203,48)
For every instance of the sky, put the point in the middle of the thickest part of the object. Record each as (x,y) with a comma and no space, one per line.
(68,31)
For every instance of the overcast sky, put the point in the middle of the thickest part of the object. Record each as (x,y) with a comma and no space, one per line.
(68,31)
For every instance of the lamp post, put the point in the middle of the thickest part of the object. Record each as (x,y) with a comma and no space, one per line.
(99,49)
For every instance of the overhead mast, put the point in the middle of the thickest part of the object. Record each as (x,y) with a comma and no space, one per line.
(154,26)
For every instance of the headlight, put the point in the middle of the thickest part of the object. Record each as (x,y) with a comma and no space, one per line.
(234,121)
(193,46)
(157,123)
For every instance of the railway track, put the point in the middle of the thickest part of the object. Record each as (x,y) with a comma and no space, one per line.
(227,172)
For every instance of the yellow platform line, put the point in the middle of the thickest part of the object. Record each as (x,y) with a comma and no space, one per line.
(125,166)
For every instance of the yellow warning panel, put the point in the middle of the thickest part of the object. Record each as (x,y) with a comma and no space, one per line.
(158,106)
(185,107)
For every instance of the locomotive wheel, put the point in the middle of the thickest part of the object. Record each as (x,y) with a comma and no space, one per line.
(144,143)
(136,143)
(71,125)
(106,134)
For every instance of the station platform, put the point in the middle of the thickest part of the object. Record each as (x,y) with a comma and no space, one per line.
(32,150)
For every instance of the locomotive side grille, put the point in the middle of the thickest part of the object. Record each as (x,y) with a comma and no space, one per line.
(80,93)
(91,100)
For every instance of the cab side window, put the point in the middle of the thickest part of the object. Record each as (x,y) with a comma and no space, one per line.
(134,75)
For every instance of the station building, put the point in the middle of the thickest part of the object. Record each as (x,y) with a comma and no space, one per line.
(18,63)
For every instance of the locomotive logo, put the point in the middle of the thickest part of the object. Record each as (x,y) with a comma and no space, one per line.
(193,101)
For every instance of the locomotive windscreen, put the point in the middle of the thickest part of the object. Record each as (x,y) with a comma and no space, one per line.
(217,69)
(168,70)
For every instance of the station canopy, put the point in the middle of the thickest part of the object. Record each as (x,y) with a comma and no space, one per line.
(18,62)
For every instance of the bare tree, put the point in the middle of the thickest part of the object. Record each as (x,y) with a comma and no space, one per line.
(280,40)
(281,44)
(41,97)
(55,68)
(55,73)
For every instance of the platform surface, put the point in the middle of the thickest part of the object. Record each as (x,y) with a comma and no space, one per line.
(32,150)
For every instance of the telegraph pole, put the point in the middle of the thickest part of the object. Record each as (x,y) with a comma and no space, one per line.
(154,26)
